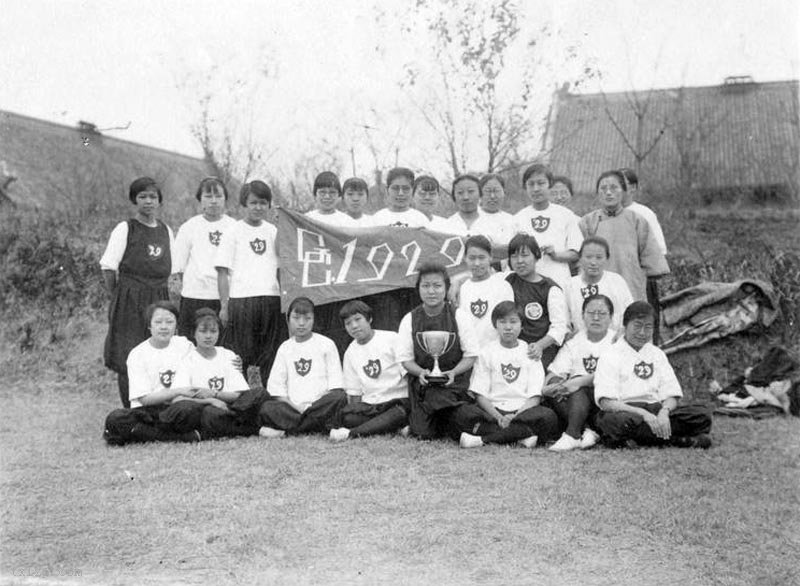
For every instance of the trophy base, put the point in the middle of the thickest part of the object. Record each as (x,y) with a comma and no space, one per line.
(437,379)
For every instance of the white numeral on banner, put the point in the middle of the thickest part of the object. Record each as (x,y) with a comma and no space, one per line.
(379,274)
(412,266)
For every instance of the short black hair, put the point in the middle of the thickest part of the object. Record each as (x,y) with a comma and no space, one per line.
(301,305)
(355,307)
(433,268)
(566,181)
(464,177)
(143,184)
(612,173)
(630,176)
(205,314)
(398,172)
(208,181)
(599,240)
(160,304)
(598,297)
(355,184)
(426,181)
(327,179)
(537,169)
(638,310)
(522,240)
(504,309)
(485,178)
(478,241)
(258,189)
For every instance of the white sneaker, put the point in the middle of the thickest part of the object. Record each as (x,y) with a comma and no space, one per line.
(529,442)
(589,438)
(271,432)
(405,432)
(470,441)
(339,434)
(565,443)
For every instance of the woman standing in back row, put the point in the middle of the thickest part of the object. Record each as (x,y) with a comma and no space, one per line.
(136,266)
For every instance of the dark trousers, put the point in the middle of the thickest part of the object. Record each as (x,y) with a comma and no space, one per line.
(654,300)
(240,419)
(189,307)
(256,328)
(123,384)
(433,408)
(364,419)
(574,411)
(539,421)
(685,421)
(169,422)
(320,417)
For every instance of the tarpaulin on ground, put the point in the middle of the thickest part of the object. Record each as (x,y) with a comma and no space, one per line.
(327,263)
(708,311)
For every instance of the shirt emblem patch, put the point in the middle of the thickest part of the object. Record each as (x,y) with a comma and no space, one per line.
(166,377)
(540,223)
(479,307)
(510,372)
(372,368)
(399,224)
(589,290)
(154,251)
(258,245)
(302,366)
(215,237)
(590,363)
(216,383)
(533,311)
(643,370)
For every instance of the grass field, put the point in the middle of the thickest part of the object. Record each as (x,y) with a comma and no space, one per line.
(390,510)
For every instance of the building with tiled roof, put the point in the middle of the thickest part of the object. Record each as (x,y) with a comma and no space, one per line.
(722,141)
(45,164)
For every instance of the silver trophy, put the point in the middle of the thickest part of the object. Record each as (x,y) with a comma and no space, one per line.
(436,343)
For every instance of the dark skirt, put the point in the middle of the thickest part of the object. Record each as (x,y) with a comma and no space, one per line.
(256,328)
(127,327)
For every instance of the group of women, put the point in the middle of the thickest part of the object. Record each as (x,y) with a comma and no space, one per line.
(230,275)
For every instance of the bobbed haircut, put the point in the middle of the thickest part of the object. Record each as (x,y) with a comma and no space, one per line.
(599,241)
(355,307)
(522,240)
(478,241)
(301,305)
(638,310)
(598,297)
(160,304)
(206,314)
(612,173)
(398,172)
(504,309)
(356,184)
(144,184)
(630,176)
(327,180)
(566,181)
(257,189)
(488,177)
(433,268)
(206,183)
(461,178)
(537,169)
(426,182)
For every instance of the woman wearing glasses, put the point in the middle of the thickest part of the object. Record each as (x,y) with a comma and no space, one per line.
(568,387)
(634,251)
(398,211)
(493,222)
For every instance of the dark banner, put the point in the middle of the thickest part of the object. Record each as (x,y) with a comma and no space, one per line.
(327,264)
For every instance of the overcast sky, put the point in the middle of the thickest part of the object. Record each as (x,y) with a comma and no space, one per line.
(117,62)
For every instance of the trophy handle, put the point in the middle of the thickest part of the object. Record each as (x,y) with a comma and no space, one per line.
(421,341)
(451,339)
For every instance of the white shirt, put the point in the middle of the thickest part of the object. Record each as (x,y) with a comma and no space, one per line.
(611,284)
(364,221)
(478,299)
(249,253)
(455,224)
(152,369)
(626,375)
(579,355)
(554,226)
(304,371)
(405,343)
(497,227)
(372,370)
(409,218)
(506,376)
(217,373)
(118,243)
(195,253)
(438,224)
(652,221)
(337,218)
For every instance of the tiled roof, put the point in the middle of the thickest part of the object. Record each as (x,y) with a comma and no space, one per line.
(733,135)
(58,166)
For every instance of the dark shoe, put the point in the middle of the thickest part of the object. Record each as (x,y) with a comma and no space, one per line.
(701,441)
(112,440)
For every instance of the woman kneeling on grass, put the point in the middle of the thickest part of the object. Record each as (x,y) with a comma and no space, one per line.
(161,410)
(638,392)
(569,389)
(434,402)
